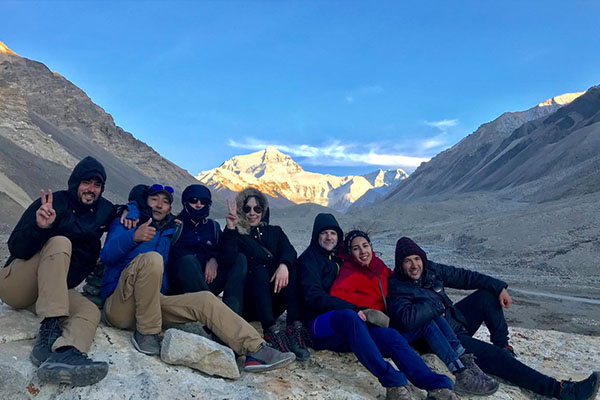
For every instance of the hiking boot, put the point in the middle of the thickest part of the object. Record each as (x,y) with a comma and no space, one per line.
(267,358)
(69,365)
(295,341)
(397,393)
(442,394)
(147,344)
(276,339)
(50,330)
(582,390)
(472,380)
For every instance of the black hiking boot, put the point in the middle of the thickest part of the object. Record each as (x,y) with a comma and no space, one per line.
(472,380)
(50,330)
(69,365)
(582,390)
(295,341)
(276,339)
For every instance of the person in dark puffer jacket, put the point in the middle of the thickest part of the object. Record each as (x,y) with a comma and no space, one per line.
(195,262)
(339,325)
(271,281)
(416,296)
(53,248)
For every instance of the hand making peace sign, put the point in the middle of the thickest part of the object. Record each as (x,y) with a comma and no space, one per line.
(231,217)
(45,215)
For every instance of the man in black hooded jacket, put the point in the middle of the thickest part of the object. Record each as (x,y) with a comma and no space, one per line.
(53,248)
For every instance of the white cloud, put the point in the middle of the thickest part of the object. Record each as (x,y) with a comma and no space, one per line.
(337,154)
(443,124)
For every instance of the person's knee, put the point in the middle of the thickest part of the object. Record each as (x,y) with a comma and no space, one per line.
(89,312)
(347,317)
(58,244)
(486,297)
(152,263)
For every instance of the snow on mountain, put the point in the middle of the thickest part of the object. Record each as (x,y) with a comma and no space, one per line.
(278,175)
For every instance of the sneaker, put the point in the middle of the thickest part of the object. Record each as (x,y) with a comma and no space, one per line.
(582,390)
(50,330)
(147,344)
(276,339)
(472,380)
(295,341)
(267,358)
(397,393)
(442,394)
(72,367)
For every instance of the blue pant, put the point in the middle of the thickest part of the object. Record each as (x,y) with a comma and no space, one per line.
(344,331)
(441,339)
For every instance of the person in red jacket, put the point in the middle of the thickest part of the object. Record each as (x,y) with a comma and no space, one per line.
(363,276)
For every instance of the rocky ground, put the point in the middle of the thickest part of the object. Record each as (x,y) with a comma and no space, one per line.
(326,375)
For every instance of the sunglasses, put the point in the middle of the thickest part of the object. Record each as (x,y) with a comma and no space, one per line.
(156,187)
(257,209)
(194,200)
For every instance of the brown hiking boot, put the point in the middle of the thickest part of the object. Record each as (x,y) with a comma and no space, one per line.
(442,394)
(472,380)
(397,393)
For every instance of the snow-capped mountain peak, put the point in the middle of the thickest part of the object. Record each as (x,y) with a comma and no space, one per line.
(278,175)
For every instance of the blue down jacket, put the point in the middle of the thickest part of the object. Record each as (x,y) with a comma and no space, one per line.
(120,248)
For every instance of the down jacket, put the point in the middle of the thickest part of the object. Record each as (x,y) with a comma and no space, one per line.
(317,270)
(82,224)
(413,303)
(365,287)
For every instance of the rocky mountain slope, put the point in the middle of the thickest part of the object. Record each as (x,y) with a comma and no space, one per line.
(277,175)
(465,166)
(47,125)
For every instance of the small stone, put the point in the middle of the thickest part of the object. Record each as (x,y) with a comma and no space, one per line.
(183,348)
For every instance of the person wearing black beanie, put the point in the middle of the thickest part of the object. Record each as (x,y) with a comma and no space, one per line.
(416,296)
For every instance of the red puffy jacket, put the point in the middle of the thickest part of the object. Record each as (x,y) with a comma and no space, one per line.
(362,286)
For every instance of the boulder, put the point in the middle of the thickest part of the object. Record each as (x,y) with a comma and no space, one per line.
(194,351)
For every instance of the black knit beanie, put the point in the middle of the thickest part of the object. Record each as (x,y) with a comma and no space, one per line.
(406,247)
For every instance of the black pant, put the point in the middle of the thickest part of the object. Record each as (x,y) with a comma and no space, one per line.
(480,307)
(187,275)
(262,304)
(484,306)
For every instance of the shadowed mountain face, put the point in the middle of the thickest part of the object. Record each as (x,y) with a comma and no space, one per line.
(47,125)
(544,144)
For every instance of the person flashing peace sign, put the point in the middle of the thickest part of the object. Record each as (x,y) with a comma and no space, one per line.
(53,248)
(271,281)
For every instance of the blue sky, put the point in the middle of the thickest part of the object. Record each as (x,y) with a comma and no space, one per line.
(342,86)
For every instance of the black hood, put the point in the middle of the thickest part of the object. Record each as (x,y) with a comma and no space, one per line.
(139,195)
(325,221)
(87,168)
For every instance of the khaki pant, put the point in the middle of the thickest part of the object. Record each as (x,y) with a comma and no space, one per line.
(137,303)
(40,285)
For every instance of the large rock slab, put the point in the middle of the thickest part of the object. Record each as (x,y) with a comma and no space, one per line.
(194,351)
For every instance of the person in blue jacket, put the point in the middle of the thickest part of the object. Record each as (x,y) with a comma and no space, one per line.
(195,261)
(416,296)
(134,286)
